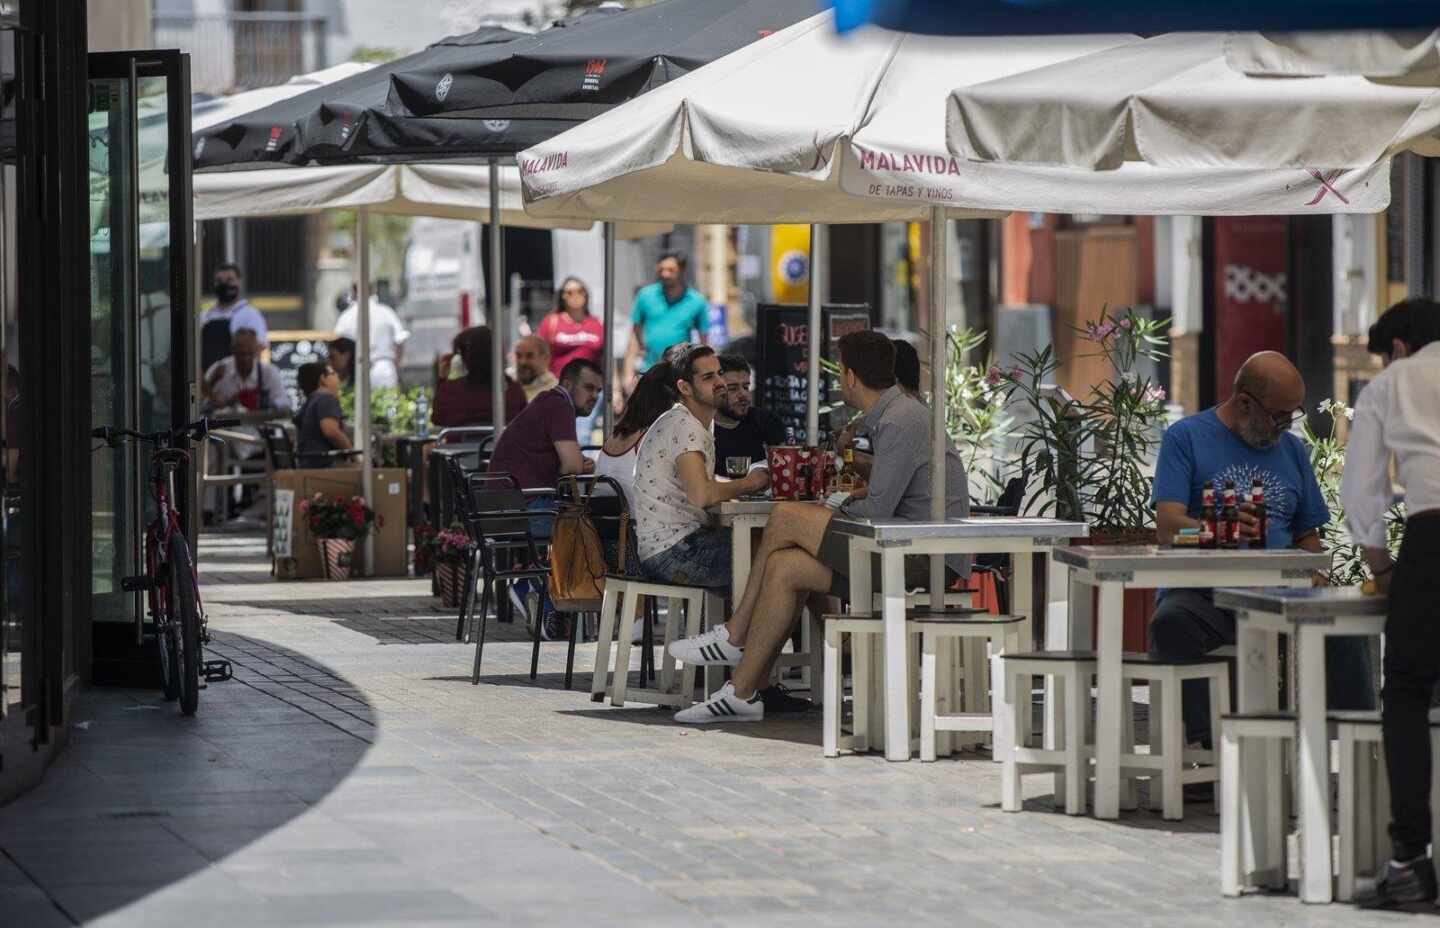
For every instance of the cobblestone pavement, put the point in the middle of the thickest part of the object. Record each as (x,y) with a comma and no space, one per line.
(351,775)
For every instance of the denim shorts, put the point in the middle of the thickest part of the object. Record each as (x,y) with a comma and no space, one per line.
(701,558)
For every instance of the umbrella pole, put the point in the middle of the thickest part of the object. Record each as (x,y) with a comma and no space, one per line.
(819,262)
(940,439)
(608,414)
(497,310)
(362,375)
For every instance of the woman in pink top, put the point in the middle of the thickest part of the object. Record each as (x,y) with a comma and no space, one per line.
(570,331)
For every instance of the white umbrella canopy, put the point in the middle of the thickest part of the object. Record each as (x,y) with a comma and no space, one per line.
(700,149)
(1413,54)
(853,131)
(1176,101)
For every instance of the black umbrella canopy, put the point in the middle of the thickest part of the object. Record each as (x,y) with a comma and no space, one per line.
(273,133)
(457,100)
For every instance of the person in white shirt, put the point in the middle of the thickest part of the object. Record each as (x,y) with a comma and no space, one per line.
(387,340)
(1398,415)
(228,314)
(243,381)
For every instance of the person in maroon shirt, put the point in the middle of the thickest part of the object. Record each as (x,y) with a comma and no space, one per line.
(467,400)
(539,447)
(571,331)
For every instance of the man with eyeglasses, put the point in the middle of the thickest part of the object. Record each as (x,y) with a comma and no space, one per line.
(1248,437)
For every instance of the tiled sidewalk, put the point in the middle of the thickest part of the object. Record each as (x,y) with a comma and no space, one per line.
(351,775)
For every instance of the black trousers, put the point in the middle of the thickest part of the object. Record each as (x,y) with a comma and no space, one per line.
(1188,624)
(1412,666)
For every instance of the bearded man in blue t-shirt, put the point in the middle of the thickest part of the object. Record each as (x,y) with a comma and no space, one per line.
(1245,438)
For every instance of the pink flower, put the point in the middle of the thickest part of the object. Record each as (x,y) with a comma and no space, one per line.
(1106,330)
(304,506)
(994,376)
(1125,323)
(1154,394)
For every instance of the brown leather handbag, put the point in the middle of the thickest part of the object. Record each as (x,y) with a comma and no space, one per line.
(577,555)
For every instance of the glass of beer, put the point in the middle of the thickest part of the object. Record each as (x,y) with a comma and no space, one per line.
(737,467)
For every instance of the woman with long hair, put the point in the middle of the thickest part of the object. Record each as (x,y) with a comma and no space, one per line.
(466,400)
(652,397)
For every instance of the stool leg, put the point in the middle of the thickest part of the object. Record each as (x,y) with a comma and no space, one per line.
(693,618)
(1010,794)
(1219,708)
(621,680)
(947,692)
(669,667)
(928,695)
(862,693)
(609,608)
(834,689)
(1127,743)
(1348,821)
(1155,740)
(1231,792)
(815,625)
(1075,705)
(1056,732)
(1173,753)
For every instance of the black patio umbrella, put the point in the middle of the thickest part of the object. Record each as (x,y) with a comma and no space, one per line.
(493,95)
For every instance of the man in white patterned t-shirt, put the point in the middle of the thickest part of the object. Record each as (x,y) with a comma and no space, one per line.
(675,481)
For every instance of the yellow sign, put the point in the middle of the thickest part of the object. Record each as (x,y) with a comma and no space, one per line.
(790,263)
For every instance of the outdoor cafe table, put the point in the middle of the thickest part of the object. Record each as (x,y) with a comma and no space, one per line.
(1308,617)
(1113,570)
(893,540)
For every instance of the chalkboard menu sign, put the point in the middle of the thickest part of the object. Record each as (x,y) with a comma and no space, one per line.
(782,375)
(289,350)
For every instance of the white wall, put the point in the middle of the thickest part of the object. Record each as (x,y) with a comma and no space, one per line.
(1355,268)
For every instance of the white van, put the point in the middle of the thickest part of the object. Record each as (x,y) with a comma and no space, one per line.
(444,290)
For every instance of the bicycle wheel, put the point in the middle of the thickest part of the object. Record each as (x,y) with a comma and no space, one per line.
(162,614)
(185,619)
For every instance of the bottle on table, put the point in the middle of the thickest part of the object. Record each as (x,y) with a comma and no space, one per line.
(422,415)
(832,475)
(1229,521)
(1207,515)
(790,435)
(1262,519)
(845,480)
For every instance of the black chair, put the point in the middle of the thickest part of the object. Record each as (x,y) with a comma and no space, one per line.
(499,522)
(1008,504)
(463,484)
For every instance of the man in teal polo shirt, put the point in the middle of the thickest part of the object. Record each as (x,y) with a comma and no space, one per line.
(665,314)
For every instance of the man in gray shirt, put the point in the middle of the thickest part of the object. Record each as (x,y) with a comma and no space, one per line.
(800,558)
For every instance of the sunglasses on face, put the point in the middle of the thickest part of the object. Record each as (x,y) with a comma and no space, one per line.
(1281,420)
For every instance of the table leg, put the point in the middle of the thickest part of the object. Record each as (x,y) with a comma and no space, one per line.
(869,727)
(1107,717)
(1261,823)
(1075,633)
(1313,769)
(1002,706)
(897,669)
(740,557)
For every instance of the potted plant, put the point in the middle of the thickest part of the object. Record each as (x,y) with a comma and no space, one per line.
(448,551)
(1087,457)
(337,522)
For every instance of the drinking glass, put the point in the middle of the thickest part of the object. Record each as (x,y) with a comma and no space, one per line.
(737,467)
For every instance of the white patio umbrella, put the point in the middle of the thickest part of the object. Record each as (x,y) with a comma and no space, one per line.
(852,131)
(1179,101)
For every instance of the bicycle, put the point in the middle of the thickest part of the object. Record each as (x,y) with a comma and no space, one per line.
(170,582)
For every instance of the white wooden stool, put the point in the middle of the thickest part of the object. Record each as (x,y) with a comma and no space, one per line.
(939,694)
(1364,794)
(860,628)
(1168,754)
(1242,814)
(700,607)
(1070,758)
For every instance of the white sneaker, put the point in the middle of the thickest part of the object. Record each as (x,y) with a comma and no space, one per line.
(707,648)
(724,706)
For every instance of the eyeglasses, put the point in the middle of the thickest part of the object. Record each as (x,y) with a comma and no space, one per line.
(1281,420)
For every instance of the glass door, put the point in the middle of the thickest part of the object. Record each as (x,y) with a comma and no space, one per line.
(141,306)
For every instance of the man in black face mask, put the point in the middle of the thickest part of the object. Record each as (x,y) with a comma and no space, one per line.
(228,315)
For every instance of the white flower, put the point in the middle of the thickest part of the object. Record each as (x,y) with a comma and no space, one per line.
(1350,414)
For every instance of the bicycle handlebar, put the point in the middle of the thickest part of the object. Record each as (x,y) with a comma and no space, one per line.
(197,430)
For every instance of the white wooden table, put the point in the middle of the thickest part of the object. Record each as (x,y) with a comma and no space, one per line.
(892,540)
(1308,617)
(1113,570)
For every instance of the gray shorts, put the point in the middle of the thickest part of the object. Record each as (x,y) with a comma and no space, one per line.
(834,553)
